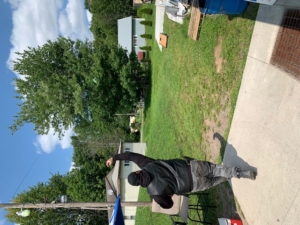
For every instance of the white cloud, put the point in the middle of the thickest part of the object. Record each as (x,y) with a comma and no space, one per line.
(76,18)
(35,22)
(47,143)
(72,166)
(89,16)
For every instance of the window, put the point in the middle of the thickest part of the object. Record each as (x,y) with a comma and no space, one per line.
(134,40)
(126,162)
(129,217)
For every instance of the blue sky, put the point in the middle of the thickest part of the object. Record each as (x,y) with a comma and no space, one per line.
(31,23)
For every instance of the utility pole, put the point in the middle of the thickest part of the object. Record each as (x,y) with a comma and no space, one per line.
(81,205)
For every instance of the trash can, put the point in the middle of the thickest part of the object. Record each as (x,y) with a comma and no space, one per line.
(228,7)
(225,221)
(265,2)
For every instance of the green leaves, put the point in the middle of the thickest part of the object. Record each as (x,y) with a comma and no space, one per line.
(59,88)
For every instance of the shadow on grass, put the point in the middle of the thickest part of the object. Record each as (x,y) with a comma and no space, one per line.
(220,202)
(222,196)
(250,12)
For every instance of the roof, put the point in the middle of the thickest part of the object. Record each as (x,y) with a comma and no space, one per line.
(125,33)
(112,182)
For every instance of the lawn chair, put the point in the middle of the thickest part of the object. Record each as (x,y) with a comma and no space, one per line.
(181,207)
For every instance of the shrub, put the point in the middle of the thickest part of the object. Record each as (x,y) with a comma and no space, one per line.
(147,36)
(146,23)
(146,48)
(147,11)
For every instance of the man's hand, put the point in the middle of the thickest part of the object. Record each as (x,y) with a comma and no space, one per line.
(109,162)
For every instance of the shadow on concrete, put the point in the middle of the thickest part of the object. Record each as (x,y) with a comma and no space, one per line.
(232,158)
(222,195)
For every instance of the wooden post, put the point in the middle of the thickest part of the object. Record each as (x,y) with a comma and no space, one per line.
(83,205)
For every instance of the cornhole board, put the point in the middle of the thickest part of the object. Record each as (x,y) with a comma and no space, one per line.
(163,40)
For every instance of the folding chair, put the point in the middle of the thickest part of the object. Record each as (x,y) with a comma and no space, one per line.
(181,209)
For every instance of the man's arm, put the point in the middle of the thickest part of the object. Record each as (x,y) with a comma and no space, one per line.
(164,201)
(138,159)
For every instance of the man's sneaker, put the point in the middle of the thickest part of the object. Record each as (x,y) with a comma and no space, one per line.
(249,174)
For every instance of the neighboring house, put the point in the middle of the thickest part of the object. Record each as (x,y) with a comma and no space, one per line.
(116,180)
(129,35)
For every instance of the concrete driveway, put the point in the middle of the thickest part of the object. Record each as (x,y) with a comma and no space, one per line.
(265,131)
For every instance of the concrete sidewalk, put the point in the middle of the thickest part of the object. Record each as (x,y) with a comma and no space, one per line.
(265,131)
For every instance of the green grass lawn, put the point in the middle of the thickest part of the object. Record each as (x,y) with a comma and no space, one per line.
(187,93)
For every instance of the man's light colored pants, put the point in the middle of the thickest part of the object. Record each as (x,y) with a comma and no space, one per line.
(206,174)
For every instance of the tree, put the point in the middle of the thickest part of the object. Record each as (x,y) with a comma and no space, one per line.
(87,182)
(71,83)
(105,16)
(46,193)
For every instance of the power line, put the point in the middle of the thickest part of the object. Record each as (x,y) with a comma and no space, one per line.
(25,176)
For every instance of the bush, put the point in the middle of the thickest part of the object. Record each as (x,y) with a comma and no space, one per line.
(147,11)
(146,48)
(146,23)
(147,36)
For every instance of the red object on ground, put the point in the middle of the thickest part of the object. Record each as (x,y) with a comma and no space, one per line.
(225,221)
(236,222)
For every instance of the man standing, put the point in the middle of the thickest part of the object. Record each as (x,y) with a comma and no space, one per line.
(163,178)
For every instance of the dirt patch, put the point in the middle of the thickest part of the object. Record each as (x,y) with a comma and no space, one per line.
(224,197)
(218,59)
(219,125)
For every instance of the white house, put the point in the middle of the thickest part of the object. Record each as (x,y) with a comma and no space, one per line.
(116,180)
(129,34)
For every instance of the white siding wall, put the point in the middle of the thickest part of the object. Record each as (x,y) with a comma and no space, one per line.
(128,192)
(126,166)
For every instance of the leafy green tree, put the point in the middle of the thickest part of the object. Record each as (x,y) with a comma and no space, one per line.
(87,182)
(105,16)
(71,83)
(46,193)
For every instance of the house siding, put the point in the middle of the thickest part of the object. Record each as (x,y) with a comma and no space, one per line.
(137,30)
(128,192)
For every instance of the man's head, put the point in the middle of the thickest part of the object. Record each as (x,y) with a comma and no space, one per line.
(141,177)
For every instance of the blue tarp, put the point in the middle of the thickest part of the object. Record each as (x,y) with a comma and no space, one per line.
(117,215)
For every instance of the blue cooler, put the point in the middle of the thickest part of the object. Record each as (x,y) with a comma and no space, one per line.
(229,7)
